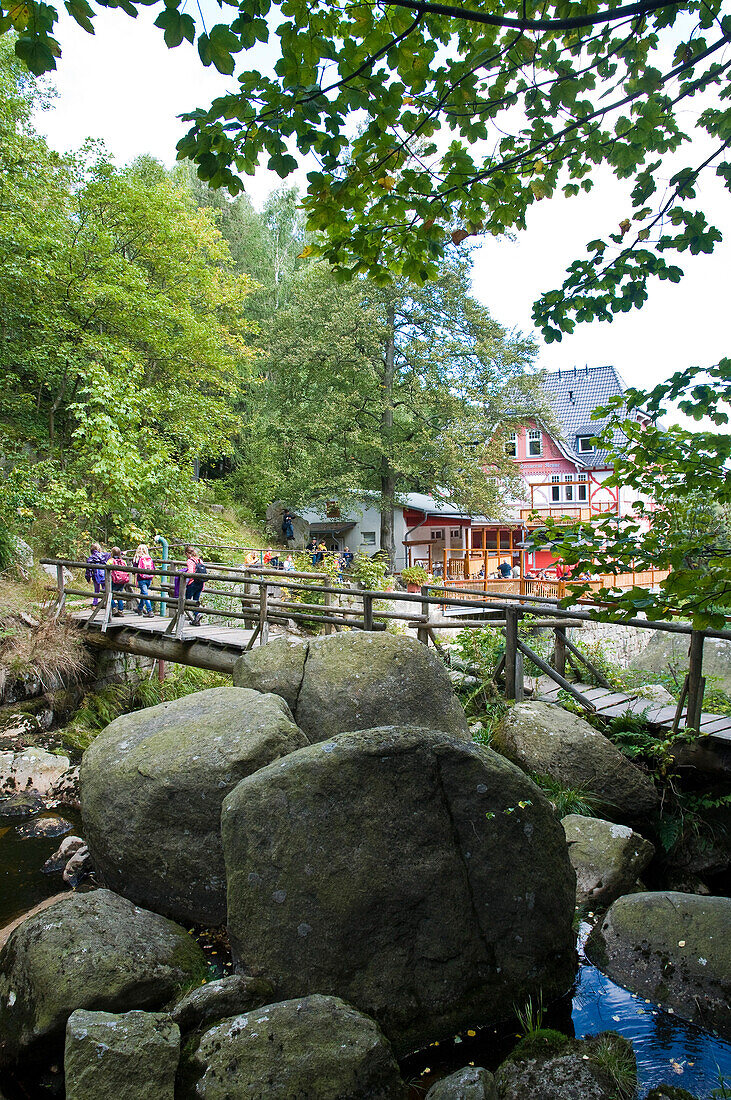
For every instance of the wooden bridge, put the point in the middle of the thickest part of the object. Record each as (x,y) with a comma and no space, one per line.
(242,604)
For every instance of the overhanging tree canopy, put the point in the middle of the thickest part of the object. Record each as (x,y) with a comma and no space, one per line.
(430,122)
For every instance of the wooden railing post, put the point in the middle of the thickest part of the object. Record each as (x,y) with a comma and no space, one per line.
(246,604)
(422,632)
(107,598)
(367,611)
(263,611)
(61,598)
(329,628)
(696,682)
(180,610)
(513,657)
(559,650)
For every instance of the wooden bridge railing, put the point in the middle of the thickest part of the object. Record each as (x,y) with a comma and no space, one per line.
(266,596)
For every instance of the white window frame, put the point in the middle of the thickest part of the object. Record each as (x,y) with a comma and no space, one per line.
(585,439)
(437,534)
(368,538)
(582,494)
(535,436)
(555,488)
(455,532)
(511,445)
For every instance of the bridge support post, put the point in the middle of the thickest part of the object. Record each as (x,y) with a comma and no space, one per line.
(329,629)
(263,609)
(107,598)
(180,613)
(696,682)
(61,591)
(422,632)
(559,650)
(513,658)
(367,611)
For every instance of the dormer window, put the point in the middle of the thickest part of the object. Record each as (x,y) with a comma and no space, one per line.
(535,443)
(585,443)
(511,444)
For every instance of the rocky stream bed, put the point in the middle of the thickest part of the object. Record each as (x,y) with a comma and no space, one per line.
(314,884)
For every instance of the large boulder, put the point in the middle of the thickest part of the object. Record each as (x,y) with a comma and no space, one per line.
(315,1047)
(356,681)
(549,1066)
(152,784)
(608,858)
(671,948)
(423,879)
(548,740)
(95,951)
(133,1056)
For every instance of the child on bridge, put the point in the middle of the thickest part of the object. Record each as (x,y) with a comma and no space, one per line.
(195,569)
(143,560)
(120,577)
(97,558)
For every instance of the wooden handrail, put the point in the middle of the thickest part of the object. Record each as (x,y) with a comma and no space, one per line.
(273,609)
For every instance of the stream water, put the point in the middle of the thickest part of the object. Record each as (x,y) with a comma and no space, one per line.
(22,883)
(667,1049)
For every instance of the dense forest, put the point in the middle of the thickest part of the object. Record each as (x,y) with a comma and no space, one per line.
(155,332)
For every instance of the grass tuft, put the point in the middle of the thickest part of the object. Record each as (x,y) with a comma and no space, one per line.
(567,800)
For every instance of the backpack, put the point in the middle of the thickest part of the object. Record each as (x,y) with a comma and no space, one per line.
(200,567)
(119,576)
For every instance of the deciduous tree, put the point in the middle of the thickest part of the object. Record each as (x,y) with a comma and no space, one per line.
(378,390)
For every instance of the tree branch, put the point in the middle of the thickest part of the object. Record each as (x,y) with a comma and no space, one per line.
(573,23)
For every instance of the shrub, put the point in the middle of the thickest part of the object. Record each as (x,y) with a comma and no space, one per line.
(371,573)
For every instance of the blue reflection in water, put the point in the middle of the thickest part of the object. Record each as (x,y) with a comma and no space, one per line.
(668,1050)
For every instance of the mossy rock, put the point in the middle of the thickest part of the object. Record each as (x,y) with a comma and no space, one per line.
(608,858)
(547,740)
(671,948)
(356,681)
(543,1043)
(152,785)
(542,1067)
(316,1047)
(422,878)
(95,951)
(128,1056)
(229,996)
(468,1083)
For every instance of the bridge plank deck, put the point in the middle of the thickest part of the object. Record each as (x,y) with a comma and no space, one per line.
(613,704)
(231,636)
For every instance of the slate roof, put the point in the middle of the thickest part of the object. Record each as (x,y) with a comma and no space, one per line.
(573,395)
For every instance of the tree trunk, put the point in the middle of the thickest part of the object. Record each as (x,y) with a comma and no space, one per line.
(388,479)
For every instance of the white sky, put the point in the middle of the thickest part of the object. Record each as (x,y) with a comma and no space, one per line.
(126,87)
